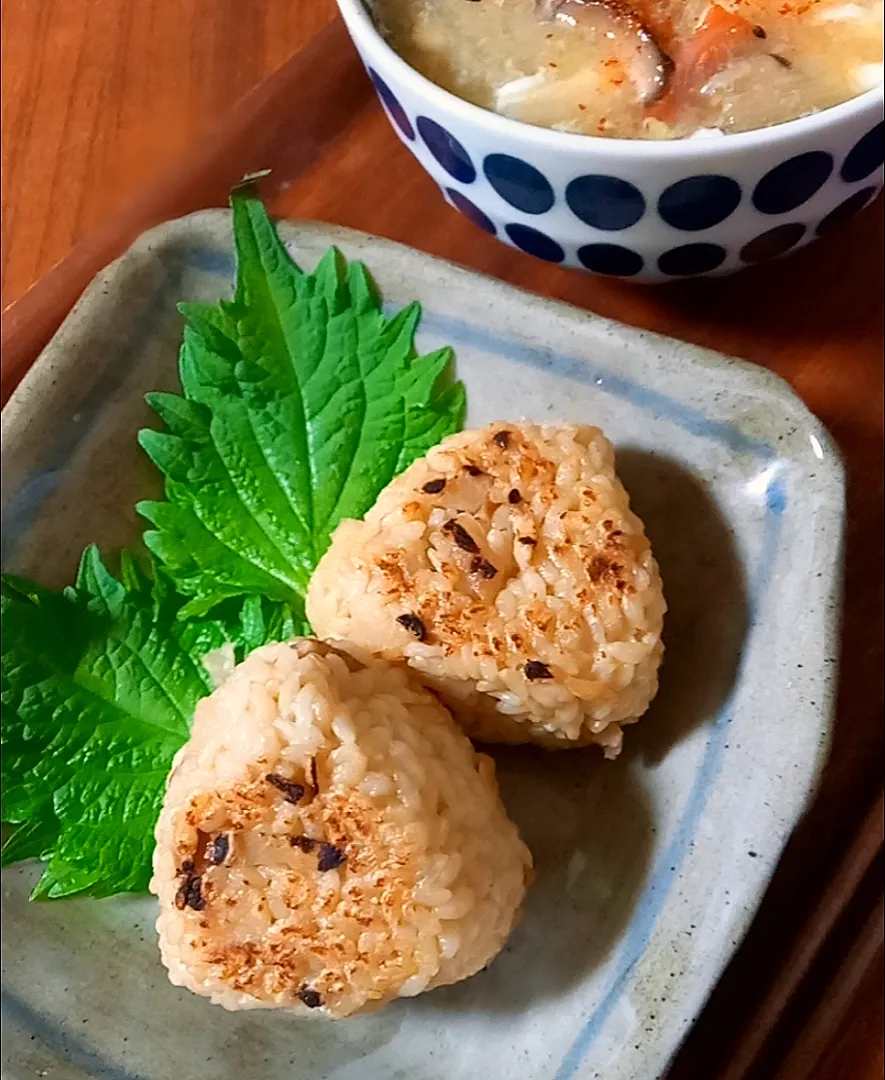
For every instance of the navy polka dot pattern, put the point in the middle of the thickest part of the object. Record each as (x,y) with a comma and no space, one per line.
(447,150)
(396,112)
(866,157)
(610,259)
(699,202)
(774,242)
(847,209)
(511,185)
(793,182)
(518,183)
(471,210)
(535,243)
(691,259)
(605,202)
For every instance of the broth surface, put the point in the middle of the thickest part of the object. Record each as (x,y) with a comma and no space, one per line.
(655,69)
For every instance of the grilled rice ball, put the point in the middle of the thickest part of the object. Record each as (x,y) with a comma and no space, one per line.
(508,570)
(330,841)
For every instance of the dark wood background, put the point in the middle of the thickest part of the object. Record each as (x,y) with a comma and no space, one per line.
(116,114)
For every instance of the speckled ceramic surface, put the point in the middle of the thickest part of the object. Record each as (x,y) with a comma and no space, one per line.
(649,869)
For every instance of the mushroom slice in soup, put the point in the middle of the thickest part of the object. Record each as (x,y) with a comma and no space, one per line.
(645,61)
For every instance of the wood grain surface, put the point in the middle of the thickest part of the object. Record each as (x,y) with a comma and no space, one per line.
(107,121)
(99,94)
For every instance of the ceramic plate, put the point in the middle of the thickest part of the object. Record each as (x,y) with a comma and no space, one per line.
(649,869)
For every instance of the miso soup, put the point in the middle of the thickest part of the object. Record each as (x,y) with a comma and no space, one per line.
(653,69)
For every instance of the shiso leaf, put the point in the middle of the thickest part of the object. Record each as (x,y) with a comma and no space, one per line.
(300,402)
(99,684)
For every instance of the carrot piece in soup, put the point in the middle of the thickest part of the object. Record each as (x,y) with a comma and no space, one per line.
(722,36)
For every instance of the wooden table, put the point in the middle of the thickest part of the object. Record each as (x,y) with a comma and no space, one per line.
(98,95)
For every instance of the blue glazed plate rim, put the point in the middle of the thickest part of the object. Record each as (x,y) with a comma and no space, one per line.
(206,255)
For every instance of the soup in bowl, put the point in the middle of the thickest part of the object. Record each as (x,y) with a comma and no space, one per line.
(649,69)
(636,141)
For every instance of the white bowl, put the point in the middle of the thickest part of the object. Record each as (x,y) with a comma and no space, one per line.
(650,211)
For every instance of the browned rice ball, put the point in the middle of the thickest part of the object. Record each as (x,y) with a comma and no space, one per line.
(508,570)
(330,840)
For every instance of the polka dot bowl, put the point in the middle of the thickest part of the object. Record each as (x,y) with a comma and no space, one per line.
(641,210)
